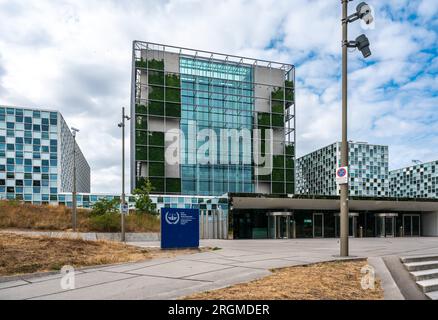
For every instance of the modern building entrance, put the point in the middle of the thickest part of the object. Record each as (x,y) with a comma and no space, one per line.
(385,225)
(281,225)
(352,224)
(411,225)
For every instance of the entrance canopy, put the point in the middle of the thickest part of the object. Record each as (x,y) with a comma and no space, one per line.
(272,203)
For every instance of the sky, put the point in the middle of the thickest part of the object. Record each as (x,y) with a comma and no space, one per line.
(75,56)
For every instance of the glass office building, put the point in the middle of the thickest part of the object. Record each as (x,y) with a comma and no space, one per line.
(36,149)
(369,171)
(192,91)
(418,181)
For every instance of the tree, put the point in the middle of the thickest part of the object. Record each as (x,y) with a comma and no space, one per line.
(143,202)
(105,206)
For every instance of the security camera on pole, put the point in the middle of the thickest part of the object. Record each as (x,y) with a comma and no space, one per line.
(363,12)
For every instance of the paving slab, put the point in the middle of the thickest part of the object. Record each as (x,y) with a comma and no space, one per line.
(269,264)
(178,269)
(126,268)
(11,284)
(54,286)
(134,288)
(231,272)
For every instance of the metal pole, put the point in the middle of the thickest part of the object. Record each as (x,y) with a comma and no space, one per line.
(344,146)
(123,236)
(74,184)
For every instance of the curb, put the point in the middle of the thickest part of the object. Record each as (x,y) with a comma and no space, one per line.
(390,289)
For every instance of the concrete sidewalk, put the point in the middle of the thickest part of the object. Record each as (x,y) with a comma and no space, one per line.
(237,262)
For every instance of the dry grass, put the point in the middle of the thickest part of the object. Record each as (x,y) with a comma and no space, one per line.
(324,281)
(23,254)
(16,215)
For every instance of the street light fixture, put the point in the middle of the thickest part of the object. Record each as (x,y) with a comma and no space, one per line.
(363,12)
(74,131)
(122,125)
(362,44)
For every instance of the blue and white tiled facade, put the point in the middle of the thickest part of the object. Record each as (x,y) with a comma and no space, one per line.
(419,181)
(369,171)
(182,202)
(36,149)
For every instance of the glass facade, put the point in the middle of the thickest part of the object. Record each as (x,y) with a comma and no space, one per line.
(31,153)
(419,181)
(369,171)
(192,91)
(216,96)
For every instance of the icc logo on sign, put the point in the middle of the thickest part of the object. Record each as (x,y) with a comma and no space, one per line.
(172,218)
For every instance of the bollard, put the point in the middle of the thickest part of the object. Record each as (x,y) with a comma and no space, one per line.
(402,233)
(361,232)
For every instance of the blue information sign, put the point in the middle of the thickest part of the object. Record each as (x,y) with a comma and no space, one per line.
(179,228)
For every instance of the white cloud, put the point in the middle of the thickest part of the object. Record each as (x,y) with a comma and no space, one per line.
(75,56)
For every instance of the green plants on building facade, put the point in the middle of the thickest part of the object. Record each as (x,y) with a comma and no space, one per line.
(151,64)
(164,100)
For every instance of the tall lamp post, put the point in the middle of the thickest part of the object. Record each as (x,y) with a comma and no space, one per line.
(363,11)
(74,131)
(123,204)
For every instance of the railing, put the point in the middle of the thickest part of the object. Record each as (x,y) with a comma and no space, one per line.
(213,224)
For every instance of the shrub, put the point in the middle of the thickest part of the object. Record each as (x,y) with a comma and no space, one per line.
(108,222)
(105,206)
(143,202)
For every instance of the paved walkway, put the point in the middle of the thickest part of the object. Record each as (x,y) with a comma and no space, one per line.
(238,261)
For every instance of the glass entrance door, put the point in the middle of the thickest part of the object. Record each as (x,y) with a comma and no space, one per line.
(385,225)
(283,227)
(318,225)
(411,225)
(280,226)
(389,226)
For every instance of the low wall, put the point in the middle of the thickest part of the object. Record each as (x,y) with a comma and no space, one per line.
(92,236)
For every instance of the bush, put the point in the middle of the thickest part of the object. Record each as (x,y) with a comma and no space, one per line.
(108,222)
(105,206)
(143,201)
